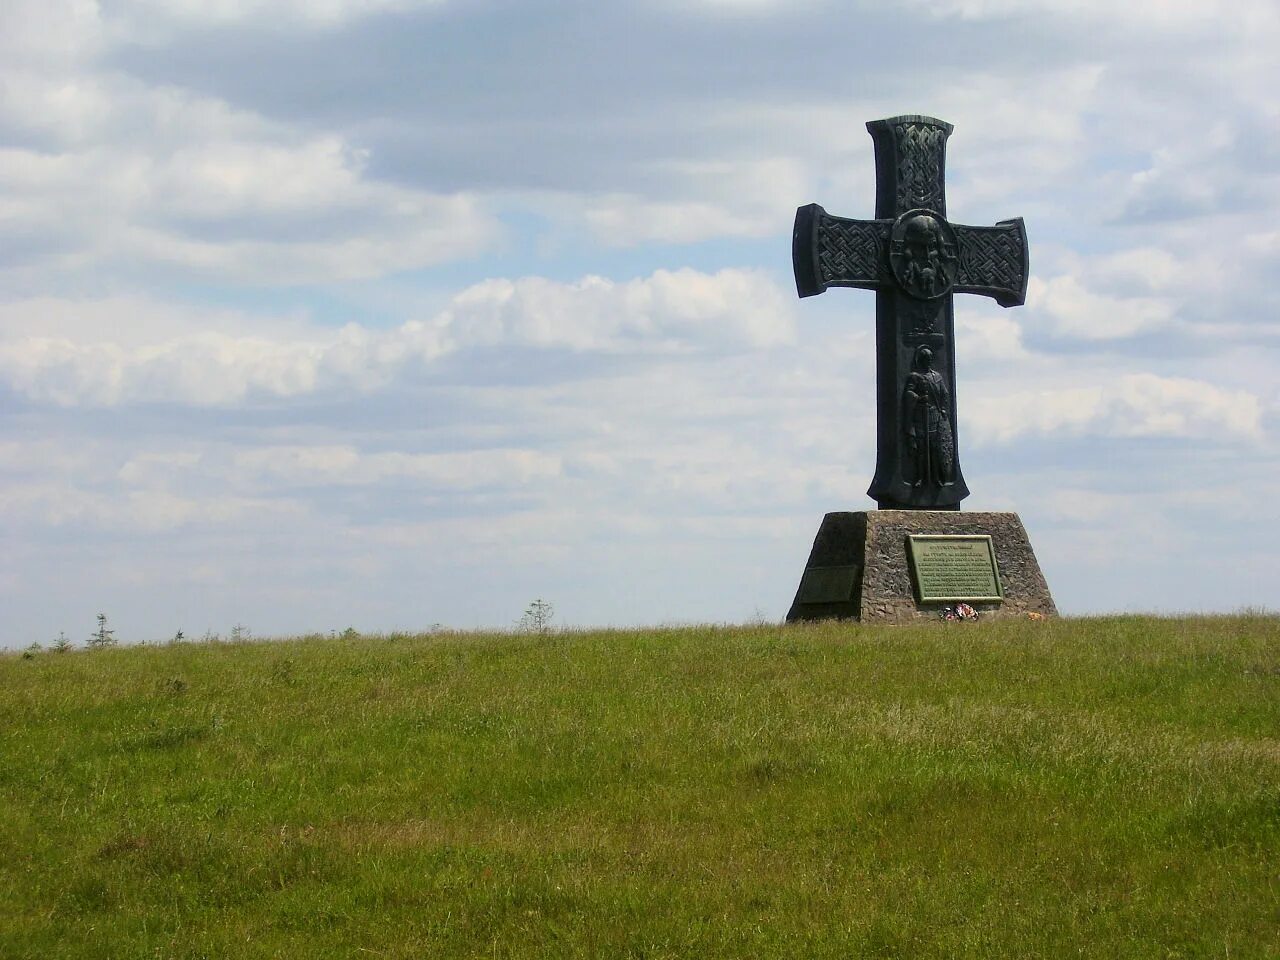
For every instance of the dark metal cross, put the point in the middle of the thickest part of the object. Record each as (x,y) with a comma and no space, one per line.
(914,259)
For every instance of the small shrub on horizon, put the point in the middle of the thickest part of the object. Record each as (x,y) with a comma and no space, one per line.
(102,637)
(62,644)
(537,618)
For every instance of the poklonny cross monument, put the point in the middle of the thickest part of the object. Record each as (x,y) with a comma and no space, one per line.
(917,553)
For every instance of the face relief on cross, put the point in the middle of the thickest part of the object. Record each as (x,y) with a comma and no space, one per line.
(914,259)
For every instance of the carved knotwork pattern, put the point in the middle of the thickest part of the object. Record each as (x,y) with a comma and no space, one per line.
(990,257)
(852,251)
(920,151)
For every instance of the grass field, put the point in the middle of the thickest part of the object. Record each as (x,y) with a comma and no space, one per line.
(1079,788)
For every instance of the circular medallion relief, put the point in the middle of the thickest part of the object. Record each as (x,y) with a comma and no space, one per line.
(922,252)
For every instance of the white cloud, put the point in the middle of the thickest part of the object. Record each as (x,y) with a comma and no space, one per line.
(738,7)
(1079,312)
(1153,15)
(745,196)
(670,310)
(49,32)
(102,171)
(1131,405)
(622,220)
(989,338)
(1189,176)
(1152,270)
(141,15)
(256,212)
(347,466)
(55,505)
(137,321)
(678,311)
(206,369)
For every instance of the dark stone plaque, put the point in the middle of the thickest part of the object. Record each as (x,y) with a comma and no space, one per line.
(952,567)
(827,584)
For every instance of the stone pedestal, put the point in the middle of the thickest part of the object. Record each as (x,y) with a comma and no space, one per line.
(859,569)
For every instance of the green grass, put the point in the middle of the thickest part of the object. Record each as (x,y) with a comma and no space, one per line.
(1084,788)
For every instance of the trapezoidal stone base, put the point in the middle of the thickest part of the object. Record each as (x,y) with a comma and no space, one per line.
(859,568)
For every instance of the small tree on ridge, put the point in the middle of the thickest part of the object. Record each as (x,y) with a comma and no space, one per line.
(537,618)
(102,637)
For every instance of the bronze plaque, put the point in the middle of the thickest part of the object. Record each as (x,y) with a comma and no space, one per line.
(827,584)
(954,567)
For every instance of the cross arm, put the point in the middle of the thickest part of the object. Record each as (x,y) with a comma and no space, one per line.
(829,251)
(993,261)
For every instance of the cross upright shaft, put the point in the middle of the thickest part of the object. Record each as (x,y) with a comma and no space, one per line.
(914,259)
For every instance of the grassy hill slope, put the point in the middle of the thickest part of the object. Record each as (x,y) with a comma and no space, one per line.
(1100,788)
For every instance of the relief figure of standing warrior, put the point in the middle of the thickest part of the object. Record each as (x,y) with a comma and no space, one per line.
(926,415)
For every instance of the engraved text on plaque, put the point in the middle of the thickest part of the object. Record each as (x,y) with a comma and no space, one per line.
(954,568)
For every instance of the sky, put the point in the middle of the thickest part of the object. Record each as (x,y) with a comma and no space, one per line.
(397,314)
